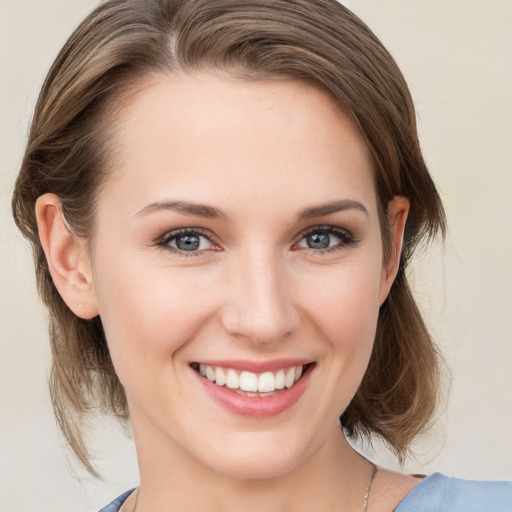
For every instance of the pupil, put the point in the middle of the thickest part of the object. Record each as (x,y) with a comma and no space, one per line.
(188,242)
(318,241)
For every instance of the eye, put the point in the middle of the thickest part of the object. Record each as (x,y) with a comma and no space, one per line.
(325,239)
(186,241)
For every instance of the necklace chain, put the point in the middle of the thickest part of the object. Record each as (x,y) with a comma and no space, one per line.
(369,488)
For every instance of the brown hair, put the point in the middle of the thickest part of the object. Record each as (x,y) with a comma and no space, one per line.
(316,41)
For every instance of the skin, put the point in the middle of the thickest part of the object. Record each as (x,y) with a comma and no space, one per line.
(260,154)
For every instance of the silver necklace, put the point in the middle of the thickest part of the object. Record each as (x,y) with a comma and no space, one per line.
(369,488)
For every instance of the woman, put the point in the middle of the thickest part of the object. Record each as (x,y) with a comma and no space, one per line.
(226,197)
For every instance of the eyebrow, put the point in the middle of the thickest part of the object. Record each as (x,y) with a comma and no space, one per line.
(210,212)
(186,208)
(332,207)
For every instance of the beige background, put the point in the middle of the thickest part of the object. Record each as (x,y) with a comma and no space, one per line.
(457,58)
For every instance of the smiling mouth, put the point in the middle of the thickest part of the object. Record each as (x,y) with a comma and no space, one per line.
(253,384)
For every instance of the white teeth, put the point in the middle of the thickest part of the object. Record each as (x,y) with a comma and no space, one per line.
(210,373)
(289,380)
(232,379)
(220,376)
(266,382)
(279,380)
(249,382)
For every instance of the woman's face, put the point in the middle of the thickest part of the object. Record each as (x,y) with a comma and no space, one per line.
(238,237)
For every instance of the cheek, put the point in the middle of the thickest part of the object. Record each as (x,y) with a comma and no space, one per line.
(148,312)
(345,314)
(346,301)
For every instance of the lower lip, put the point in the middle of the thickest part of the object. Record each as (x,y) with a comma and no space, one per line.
(256,407)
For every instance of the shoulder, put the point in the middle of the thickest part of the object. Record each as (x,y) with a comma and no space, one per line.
(441,493)
(115,505)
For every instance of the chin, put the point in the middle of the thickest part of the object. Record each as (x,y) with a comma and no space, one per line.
(256,468)
(260,455)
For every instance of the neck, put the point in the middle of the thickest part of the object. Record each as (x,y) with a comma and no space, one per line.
(335,477)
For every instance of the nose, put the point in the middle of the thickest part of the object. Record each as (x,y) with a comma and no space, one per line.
(259,300)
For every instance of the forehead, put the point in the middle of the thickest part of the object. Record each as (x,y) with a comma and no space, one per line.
(272,138)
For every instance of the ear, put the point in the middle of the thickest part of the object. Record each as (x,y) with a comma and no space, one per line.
(398,209)
(67,257)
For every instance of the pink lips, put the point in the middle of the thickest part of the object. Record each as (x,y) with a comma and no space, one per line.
(257,407)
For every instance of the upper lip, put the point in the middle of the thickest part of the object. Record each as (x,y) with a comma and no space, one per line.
(255,366)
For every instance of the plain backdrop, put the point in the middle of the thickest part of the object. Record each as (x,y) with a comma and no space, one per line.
(457,58)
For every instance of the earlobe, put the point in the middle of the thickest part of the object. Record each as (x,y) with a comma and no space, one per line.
(398,210)
(67,257)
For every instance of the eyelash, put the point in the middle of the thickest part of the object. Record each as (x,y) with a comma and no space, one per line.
(345,237)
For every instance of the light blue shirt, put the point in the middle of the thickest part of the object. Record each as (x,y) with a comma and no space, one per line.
(435,493)
(440,493)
